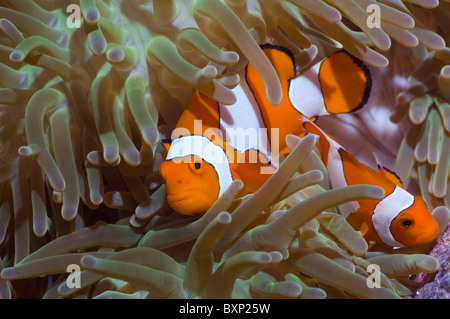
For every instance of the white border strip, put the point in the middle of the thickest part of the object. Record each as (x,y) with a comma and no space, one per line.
(305,93)
(203,147)
(387,210)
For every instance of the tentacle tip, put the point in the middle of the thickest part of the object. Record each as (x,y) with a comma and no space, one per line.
(334,16)
(292,141)
(309,141)
(115,55)
(28,150)
(230,57)
(442,215)
(64,290)
(445,71)
(150,135)
(292,290)
(360,247)
(274,94)
(140,213)
(224,218)
(89,261)
(17,56)
(96,198)
(430,4)
(442,211)
(317,293)
(276,256)
(40,230)
(418,116)
(236,186)
(209,72)
(229,98)
(264,258)
(132,157)
(92,15)
(111,155)
(385,43)
(69,212)
(439,190)
(316,176)
(93,158)
(6,25)
(97,44)
(376,192)
(429,264)
(8,274)
(58,183)
(285,254)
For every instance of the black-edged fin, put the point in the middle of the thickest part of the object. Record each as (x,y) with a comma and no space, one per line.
(346,83)
(386,168)
(282,60)
(391,175)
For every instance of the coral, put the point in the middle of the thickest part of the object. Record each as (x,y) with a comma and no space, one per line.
(82,111)
(436,285)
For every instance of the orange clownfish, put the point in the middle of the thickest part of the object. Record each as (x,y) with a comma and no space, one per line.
(205,157)
(398,220)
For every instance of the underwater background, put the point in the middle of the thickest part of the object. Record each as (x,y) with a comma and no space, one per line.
(83,108)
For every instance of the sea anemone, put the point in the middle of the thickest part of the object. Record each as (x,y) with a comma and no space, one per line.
(82,111)
(426,146)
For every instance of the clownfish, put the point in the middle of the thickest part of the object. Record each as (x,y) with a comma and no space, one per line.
(205,156)
(397,220)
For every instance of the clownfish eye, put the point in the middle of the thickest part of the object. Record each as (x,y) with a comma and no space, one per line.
(407,223)
(196,166)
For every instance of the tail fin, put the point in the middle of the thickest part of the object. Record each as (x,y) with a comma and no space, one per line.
(338,84)
(346,83)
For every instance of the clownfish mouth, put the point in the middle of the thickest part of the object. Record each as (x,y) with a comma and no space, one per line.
(179,198)
(427,237)
(189,202)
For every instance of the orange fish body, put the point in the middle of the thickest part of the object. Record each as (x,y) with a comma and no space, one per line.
(205,157)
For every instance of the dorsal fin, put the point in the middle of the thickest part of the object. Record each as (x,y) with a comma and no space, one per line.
(201,107)
(391,175)
(281,59)
(386,168)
